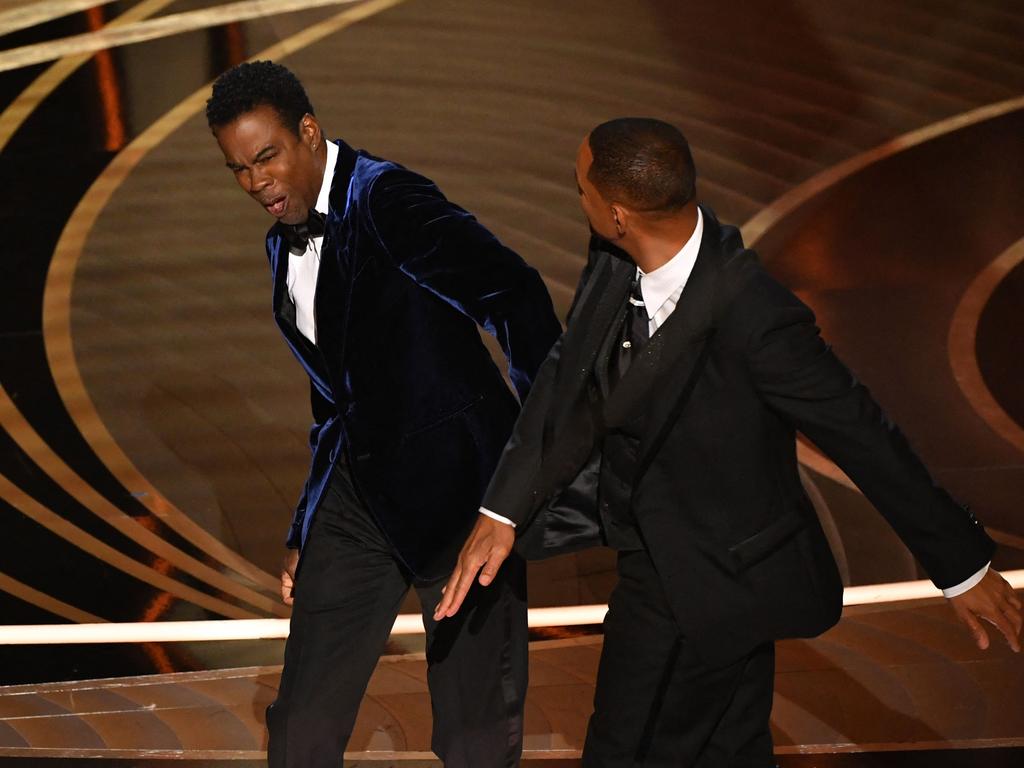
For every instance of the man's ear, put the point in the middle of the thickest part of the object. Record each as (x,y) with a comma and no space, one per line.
(309,130)
(620,217)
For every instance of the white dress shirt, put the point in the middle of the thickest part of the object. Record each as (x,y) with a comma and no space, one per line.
(661,290)
(662,287)
(304,267)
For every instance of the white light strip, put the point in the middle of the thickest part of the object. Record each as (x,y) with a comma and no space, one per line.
(406,624)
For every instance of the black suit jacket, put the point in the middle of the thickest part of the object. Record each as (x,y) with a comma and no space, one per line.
(719,392)
(400,379)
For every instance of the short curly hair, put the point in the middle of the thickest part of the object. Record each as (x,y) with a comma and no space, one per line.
(253,84)
(643,162)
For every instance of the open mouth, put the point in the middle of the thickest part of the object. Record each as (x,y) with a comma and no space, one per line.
(276,207)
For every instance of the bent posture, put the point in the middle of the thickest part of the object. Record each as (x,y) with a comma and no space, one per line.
(379,286)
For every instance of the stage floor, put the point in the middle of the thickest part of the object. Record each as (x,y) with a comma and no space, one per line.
(894,678)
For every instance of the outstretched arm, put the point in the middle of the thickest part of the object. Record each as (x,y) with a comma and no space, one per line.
(509,492)
(798,376)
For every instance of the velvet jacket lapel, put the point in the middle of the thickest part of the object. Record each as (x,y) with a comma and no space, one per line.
(321,361)
(335,280)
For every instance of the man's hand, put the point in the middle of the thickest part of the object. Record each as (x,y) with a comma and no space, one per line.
(288,575)
(486,548)
(993,600)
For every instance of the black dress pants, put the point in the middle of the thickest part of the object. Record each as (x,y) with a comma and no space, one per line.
(347,594)
(657,705)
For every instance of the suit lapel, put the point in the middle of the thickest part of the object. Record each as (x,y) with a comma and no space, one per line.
(664,379)
(334,280)
(323,359)
(586,340)
(284,313)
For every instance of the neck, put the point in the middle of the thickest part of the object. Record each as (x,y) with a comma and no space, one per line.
(658,240)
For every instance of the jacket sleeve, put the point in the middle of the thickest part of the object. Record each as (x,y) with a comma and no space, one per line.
(322,410)
(447,251)
(511,492)
(799,377)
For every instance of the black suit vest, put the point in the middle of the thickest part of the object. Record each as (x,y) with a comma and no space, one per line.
(619,451)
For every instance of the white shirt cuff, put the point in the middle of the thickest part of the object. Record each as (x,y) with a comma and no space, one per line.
(963,586)
(493,516)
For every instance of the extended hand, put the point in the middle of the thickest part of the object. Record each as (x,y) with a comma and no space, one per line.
(993,600)
(486,548)
(288,575)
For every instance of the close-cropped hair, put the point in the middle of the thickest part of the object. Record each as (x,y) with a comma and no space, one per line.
(254,84)
(643,163)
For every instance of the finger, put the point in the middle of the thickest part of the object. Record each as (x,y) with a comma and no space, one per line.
(490,569)
(1011,597)
(1003,625)
(1013,613)
(1016,623)
(978,631)
(461,589)
(1009,624)
(446,594)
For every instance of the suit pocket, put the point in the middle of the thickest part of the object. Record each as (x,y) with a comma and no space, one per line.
(766,541)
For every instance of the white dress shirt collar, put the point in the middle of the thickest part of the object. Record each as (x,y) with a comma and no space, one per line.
(659,285)
(323,200)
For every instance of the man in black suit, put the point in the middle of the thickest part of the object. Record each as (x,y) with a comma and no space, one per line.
(379,286)
(663,423)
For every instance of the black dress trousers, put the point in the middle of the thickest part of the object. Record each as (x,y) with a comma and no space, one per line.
(656,704)
(347,594)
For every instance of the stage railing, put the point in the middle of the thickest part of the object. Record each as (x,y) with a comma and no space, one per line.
(406,624)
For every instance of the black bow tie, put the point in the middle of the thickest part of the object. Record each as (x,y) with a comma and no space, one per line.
(298,235)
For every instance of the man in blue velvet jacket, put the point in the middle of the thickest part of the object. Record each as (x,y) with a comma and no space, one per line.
(379,286)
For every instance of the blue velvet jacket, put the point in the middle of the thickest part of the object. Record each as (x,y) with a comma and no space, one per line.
(400,380)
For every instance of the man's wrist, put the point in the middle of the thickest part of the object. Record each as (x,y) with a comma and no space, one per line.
(495,516)
(968,584)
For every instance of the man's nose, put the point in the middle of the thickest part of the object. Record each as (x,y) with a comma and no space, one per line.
(259,180)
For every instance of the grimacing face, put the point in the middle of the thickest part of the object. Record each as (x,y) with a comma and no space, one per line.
(597,210)
(277,168)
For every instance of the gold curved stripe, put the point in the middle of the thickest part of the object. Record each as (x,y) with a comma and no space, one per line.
(138,32)
(820,463)
(57,301)
(963,358)
(50,604)
(18,110)
(10,417)
(33,445)
(53,522)
(768,217)
(756,227)
(1006,539)
(812,459)
(32,13)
